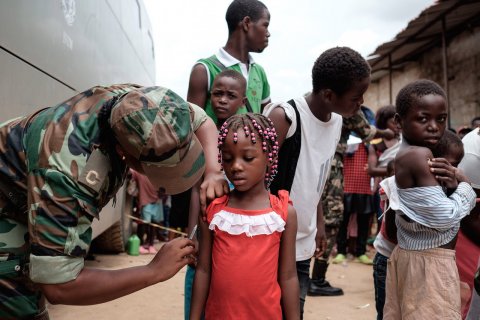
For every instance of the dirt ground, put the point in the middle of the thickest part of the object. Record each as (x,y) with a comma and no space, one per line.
(165,300)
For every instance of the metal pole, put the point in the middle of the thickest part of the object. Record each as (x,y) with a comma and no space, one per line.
(445,69)
(390,77)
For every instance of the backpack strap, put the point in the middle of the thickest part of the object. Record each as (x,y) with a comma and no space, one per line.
(217,62)
(288,158)
(220,65)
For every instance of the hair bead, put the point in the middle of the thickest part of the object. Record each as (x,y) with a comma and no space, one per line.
(258,128)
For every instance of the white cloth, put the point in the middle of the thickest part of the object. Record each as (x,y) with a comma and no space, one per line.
(289,112)
(235,224)
(435,218)
(318,144)
(389,154)
(430,207)
(391,191)
(383,246)
(470,163)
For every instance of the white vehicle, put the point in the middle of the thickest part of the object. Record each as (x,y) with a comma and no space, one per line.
(51,50)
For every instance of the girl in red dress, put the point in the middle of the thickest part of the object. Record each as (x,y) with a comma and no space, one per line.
(246,263)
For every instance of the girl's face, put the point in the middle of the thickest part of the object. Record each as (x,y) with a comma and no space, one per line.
(244,162)
(425,122)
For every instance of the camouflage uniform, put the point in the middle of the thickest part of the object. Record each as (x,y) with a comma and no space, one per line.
(332,198)
(43,156)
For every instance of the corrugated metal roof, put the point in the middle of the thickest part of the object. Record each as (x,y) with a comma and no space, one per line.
(424,32)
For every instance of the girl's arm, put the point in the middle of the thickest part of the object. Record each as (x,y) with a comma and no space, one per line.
(201,284)
(287,270)
(194,210)
(373,169)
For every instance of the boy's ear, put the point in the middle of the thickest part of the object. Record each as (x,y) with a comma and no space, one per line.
(246,23)
(398,121)
(244,100)
(327,94)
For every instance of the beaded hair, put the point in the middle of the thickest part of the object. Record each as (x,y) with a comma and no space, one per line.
(260,129)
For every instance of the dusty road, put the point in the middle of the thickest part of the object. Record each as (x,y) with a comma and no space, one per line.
(165,300)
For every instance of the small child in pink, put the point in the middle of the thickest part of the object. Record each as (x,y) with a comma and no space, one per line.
(246,267)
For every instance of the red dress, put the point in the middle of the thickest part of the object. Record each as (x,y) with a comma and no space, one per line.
(246,245)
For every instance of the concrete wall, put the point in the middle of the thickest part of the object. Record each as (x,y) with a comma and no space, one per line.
(464,77)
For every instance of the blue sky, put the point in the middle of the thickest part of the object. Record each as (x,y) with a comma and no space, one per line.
(186,30)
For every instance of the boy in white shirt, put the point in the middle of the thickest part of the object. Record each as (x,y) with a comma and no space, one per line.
(308,131)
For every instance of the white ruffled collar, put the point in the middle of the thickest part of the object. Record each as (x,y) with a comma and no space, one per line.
(252,225)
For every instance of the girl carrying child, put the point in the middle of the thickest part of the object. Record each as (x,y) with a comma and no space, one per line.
(246,264)
(432,197)
(449,147)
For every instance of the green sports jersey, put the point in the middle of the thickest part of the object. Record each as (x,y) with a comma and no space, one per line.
(258,89)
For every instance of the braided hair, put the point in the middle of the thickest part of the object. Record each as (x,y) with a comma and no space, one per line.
(108,142)
(260,129)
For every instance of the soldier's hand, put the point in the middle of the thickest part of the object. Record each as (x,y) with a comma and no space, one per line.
(213,186)
(172,257)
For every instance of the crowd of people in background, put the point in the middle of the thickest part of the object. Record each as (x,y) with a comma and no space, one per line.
(359,151)
(294,186)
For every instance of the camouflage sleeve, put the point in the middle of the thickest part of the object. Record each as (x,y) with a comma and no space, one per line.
(58,143)
(60,220)
(198,116)
(359,124)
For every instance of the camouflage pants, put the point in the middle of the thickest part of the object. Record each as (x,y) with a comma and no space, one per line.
(331,234)
(332,202)
(332,197)
(20,298)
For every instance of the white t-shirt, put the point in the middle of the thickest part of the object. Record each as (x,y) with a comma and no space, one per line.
(318,145)
(383,246)
(471,161)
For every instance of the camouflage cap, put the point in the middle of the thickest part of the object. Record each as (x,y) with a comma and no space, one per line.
(154,125)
